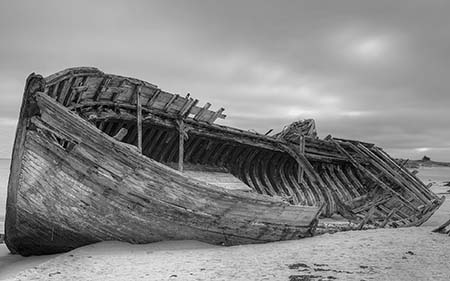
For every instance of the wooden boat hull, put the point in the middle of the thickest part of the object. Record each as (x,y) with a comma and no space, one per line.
(92,161)
(71,185)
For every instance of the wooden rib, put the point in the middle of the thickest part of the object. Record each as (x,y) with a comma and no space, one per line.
(198,153)
(67,85)
(54,89)
(215,115)
(181,146)
(388,217)
(139,117)
(285,171)
(395,214)
(336,197)
(154,142)
(162,146)
(104,83)
(412,178)
(185,110)
(254,174)
(302,151)
(315,186)
(227,151)
(303,189)
(276,174)
(152,100)
(237,159)
(352,178)
(351,187)
(173,157)
(296,186)
(199,115)
(262,163)
(67,98)
(284,182)
(391,173)
(107,128)
(293,184)
(192,149)
(244,172)
(210,151)
(173,153)
(156,150)
(217,153)
(375,178)
(131,131)
(273,172)
(172,141)
(366,218)
(343,189)
(169,103)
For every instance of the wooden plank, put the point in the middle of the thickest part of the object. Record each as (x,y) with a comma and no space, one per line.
(392,174)
(181,145)
(169,103)
(301,147)
(199,115)
(388,217)
(373,177)
(103,84)
(152,100)
(139,118)
(215,115)
(367,218)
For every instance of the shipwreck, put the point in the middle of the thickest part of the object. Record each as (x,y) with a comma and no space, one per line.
(104,157)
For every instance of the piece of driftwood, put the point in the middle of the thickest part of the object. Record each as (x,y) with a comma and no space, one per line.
(105,157)
(443,228)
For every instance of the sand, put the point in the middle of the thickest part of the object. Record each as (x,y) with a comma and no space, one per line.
(382,254)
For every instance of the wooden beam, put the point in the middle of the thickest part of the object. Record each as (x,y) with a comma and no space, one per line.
(169,103)
(200,114)
(181,144)
(152,100)
(139,118)
(302,151)
(373,177)
(215,115)
(388,217)
(186,109)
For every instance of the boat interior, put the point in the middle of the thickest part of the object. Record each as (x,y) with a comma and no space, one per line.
(354,179)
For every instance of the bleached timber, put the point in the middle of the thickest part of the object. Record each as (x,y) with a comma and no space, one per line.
(104,157)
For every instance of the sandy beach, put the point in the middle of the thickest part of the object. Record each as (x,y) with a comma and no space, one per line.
(382,254)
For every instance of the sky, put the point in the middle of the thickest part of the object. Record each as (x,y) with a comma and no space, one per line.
(376,71)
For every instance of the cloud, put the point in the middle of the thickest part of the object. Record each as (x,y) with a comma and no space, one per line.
(375,70)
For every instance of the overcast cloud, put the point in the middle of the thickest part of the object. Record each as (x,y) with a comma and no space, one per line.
(371,70)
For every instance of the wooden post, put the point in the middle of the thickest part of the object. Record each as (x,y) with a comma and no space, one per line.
(139,118)
(302,151)
(181,145)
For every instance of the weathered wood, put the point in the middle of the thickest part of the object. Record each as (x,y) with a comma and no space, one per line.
(139,118)
(181,145)
(142,181)
(388,217)
(137,198)
(301,146)
(121,134)
(367,218)
(199,115)
(374,178)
